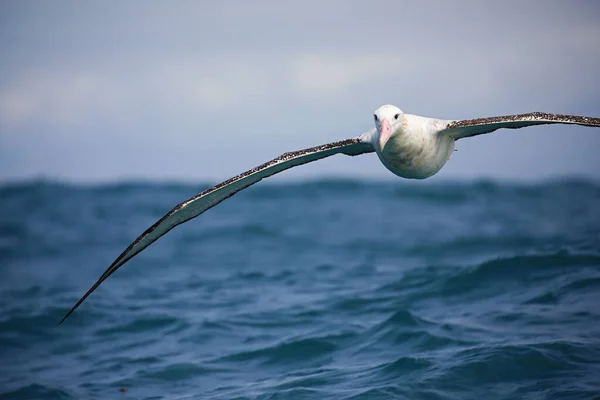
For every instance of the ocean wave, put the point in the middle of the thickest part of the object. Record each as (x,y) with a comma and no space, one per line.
(328,289)
(177,372)
(524,269)
(299,350)
(37,391)
(510,363)
(145,324)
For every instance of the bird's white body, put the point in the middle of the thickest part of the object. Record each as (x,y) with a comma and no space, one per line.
(415,149)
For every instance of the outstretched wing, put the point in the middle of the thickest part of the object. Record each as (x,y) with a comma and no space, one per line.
(196,205)
(479,126)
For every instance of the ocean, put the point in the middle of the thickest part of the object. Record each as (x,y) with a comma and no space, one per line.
(325,289)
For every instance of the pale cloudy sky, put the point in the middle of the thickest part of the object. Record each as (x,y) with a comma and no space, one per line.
(198,90)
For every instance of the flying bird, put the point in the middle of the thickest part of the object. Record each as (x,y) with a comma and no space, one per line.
(410,146)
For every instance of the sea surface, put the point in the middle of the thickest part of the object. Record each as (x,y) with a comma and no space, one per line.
(328,289)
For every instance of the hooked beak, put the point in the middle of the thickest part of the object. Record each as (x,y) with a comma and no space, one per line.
(385,131)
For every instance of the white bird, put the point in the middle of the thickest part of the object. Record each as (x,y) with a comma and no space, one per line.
(410,146)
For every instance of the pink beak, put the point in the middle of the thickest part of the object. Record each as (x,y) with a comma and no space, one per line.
(385,131)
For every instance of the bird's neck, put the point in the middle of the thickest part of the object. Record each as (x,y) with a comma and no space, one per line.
(405,138)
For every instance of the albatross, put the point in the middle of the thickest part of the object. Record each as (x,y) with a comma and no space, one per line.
(409,146)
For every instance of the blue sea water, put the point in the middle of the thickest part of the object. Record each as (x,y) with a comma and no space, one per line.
(330,289)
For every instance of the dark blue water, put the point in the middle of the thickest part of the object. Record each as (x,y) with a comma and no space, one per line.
(328,289)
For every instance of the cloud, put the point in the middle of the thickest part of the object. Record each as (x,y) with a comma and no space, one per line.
(58,98)
(216,85)
(313,76)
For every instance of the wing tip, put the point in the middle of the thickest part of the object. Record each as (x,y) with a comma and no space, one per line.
(76,305)
(65,317)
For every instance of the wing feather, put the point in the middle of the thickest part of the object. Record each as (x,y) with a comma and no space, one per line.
(209,198)
(473,127)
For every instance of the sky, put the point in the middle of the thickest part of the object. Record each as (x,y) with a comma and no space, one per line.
(196,91)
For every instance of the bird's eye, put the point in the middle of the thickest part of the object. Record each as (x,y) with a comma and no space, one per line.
(375,116)
(396,116)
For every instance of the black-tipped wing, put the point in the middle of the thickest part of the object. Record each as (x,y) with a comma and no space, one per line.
(479,126)
(196,205)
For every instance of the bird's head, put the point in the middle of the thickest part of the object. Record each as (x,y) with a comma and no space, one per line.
(388,121)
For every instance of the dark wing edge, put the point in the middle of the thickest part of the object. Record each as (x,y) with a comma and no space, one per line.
(473,127)
(209,198)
